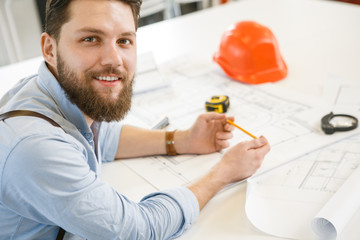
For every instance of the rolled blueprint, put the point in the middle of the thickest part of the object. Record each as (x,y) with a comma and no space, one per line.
(333,217)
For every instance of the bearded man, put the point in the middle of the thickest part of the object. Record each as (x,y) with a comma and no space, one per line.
(59,126)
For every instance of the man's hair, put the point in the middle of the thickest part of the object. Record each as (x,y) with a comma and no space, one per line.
(57,15)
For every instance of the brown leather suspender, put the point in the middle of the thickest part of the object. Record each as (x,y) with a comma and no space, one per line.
(18,113)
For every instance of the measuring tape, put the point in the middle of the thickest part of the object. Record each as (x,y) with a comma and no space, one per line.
(219,103)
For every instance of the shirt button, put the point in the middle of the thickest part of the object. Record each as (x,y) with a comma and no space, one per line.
(88,136)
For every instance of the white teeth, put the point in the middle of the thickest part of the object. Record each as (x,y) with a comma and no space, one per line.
(107,78)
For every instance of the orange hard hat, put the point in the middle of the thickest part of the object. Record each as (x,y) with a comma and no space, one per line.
(249,53)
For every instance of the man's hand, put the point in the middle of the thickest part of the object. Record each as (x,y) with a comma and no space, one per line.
(209,133)
(242,160)
(238,163)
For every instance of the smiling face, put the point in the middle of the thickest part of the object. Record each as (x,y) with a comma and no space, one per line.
(94,58)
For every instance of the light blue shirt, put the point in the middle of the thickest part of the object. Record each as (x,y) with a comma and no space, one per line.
(49,178)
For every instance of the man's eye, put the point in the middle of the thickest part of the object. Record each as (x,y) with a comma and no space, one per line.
(124,41)
(90,39)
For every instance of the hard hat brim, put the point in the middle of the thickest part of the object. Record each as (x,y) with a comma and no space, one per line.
(268,75)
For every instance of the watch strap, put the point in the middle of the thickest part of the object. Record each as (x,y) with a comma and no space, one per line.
(170,143)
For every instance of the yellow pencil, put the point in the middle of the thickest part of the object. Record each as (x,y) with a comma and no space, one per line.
(232,123)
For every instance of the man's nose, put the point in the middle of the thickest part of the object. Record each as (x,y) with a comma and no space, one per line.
(112,56)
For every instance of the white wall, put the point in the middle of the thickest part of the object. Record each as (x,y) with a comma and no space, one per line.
(25,30)
(3,53)
(5,42)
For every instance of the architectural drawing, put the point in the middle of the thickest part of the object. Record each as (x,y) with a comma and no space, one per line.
(326,175)
(322,171)
(345,95)
(262,110)
(302,188)
(166,172)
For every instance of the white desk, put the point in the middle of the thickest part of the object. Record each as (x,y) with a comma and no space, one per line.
(319,40)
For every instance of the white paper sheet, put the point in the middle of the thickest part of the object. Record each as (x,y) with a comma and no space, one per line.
(334,216)
(303,187)
(285,201)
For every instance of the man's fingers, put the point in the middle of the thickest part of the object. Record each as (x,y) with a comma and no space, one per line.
(216,116)
(224,135)
(213,116)
(228,127)
(258,143)
(223,143)
(231,118)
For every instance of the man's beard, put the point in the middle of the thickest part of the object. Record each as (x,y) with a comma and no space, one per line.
(89,101)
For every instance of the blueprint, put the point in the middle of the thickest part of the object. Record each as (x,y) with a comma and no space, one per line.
(290,121)
(322,171)
(320,188)
(302,188)
(167,172)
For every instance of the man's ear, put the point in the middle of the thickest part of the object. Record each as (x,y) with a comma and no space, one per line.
(48,48)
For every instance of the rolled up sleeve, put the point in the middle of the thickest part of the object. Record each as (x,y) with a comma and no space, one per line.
(61,190)
(180,202)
